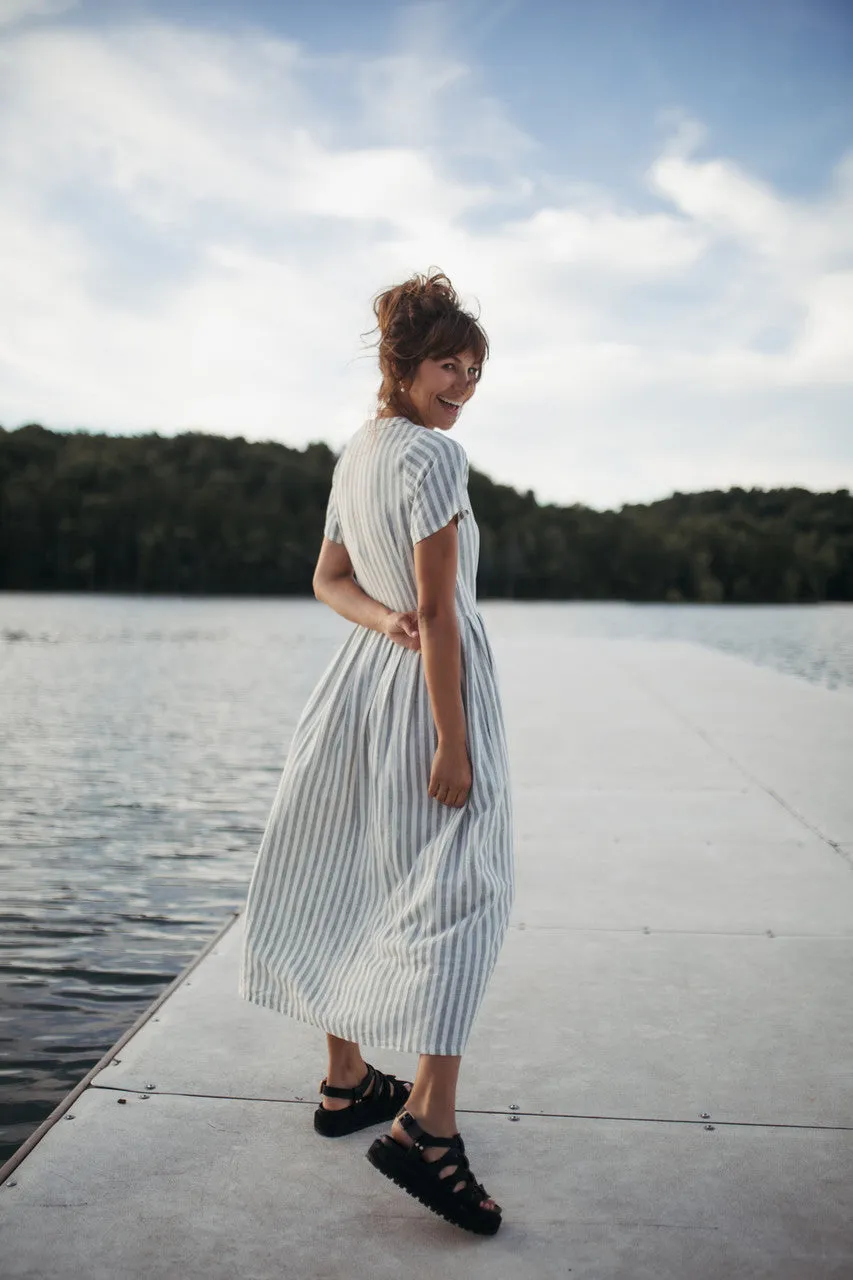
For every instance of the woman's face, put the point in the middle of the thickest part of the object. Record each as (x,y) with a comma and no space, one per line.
(441,387)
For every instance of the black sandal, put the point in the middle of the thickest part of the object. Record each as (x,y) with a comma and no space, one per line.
(422,1178)
(388,1096)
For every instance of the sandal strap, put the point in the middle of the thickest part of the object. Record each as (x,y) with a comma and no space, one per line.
(383,1084)
(454,1157)
(356,1093)
(408,1122)
(395,1088)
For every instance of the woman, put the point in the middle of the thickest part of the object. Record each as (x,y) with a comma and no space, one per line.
(383,885)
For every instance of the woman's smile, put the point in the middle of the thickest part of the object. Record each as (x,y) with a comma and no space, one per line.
(451,406)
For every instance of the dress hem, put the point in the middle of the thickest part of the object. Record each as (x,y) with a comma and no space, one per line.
(345,1033)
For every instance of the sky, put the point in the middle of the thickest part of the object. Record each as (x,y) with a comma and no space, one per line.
(649,203)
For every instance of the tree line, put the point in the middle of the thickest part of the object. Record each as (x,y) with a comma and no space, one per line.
(202,514)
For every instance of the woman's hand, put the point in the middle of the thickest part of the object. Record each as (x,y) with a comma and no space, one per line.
(402,628)
(450,779)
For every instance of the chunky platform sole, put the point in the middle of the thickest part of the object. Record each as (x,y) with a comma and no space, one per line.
(336,1124)
(393,1161)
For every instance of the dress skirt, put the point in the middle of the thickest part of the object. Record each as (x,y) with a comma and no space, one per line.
(374,911)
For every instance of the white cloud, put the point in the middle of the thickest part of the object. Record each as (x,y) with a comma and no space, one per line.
(195,223)
(15,10)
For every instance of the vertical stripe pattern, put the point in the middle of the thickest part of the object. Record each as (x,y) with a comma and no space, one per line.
(375,911)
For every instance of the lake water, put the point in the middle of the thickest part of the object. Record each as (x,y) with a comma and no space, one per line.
(142,741)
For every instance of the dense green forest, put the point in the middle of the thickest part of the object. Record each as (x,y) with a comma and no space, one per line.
(202,514)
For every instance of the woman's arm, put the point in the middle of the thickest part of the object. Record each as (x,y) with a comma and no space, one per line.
(436,559)
(335,586)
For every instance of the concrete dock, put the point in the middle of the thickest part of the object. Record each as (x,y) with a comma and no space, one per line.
(660,1082)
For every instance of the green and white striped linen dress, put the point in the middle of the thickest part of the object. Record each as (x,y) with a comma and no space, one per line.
(375,911)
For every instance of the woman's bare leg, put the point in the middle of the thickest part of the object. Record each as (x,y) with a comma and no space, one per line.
(433,1104)
(347,1068)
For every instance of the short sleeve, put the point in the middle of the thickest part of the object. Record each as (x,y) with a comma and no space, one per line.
(332,528)
(441,492)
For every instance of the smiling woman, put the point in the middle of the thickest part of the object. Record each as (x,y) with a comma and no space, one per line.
(383,886)
(431,351)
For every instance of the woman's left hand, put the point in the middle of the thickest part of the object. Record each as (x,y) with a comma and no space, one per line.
(402,628)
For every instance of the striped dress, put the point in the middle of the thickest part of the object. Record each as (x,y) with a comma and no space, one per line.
(375,911)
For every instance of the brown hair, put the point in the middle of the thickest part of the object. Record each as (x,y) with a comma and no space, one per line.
(419,319)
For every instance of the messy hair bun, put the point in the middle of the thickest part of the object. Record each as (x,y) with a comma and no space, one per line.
(419,319)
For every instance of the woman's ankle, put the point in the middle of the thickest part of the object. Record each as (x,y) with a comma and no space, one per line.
(345,1073)
(346,1062)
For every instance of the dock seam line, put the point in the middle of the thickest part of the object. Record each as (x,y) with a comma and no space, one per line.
(524,927)
(490,1111)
